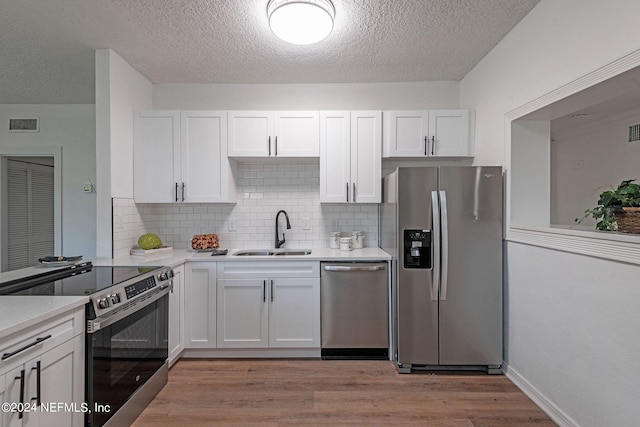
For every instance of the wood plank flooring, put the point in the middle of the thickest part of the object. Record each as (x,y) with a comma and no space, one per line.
(320,393)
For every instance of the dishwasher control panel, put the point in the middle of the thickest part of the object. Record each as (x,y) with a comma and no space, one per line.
(417,248)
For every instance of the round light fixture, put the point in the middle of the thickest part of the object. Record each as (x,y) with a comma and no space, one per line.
(301,21)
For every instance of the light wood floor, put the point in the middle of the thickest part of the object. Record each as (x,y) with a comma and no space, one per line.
(315,392)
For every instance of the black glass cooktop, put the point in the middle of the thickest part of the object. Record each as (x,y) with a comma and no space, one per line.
(72,282)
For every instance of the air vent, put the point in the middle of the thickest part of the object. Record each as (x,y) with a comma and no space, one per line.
(24,125)
(634,133)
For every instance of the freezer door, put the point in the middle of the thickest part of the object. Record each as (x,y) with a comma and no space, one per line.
(416,297)
(471,285)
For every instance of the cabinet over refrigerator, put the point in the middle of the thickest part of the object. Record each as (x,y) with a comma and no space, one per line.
(443,228)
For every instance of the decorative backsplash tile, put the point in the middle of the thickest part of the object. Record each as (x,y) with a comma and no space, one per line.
(263,189)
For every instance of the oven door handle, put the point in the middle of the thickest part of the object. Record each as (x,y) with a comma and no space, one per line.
(98,323)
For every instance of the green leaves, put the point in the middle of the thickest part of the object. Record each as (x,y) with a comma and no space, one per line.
(626,195)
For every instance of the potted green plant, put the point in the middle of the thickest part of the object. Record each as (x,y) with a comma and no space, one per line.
(617,209)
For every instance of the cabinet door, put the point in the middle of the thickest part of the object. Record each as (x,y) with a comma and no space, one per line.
(335,155)
(61,380)
(200,305)
(242,313)
(294,313)
(3,398)
(205,171)
(366,156)
(250,134)
(296,134)
(406,134)
(451,133)
(176,316)
(11,394)
(156,157)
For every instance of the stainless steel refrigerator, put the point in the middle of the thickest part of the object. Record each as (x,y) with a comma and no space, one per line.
(443,228)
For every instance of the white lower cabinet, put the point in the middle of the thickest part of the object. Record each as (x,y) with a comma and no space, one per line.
(176,316)
(200,305)
(268,304)
(49,375)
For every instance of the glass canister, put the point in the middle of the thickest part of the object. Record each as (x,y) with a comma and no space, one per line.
(334,239)
(358,239)
(345,243)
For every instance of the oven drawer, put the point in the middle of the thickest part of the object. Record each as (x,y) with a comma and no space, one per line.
(15,349)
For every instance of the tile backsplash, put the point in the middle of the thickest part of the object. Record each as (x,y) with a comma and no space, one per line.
(263,189)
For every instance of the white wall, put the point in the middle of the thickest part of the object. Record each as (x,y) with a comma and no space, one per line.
(264,188)
(361,96)
(71,127)
(120,90)
(587,160)
(562,308)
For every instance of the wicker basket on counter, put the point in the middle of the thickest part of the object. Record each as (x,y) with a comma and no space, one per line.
(628,220)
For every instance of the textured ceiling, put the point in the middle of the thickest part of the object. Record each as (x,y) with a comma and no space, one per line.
(47,46)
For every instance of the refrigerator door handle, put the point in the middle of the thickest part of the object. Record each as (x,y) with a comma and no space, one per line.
(435,252)
(444,246)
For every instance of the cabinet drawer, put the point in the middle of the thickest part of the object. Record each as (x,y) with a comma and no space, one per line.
(60,329)
(263,269)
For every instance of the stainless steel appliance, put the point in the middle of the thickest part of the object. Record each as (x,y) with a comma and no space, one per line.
(443,228)
(127,333)
(354,307)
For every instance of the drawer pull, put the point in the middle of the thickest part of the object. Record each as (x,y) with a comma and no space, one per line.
(38,340)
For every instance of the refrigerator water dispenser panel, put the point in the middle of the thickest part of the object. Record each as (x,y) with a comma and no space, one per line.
(417,249)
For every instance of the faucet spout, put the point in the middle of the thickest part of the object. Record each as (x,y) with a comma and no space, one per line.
(279,243)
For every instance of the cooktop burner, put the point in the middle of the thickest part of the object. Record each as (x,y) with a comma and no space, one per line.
(80,281)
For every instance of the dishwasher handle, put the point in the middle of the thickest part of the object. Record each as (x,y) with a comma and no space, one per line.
(377,267)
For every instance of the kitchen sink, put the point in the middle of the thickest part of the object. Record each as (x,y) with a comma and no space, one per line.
(272,252)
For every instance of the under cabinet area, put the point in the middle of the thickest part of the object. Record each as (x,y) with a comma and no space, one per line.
(428,133)
(350,156)
(273,134)
(181,157)
(41,366)
(268,304)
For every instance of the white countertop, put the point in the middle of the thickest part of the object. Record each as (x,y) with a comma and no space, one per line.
(22,311)
(19,312)
(179,256)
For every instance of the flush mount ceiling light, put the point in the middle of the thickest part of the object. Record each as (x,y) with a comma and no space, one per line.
(301,21)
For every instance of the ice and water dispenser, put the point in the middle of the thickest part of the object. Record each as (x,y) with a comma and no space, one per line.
(417,248)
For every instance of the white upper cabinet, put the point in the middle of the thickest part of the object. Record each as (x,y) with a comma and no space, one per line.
(429,133)
(350,156)
(156,156)
(182,157)
(273,134)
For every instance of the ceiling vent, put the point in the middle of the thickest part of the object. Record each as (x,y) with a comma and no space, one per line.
(24,125)
(634,133)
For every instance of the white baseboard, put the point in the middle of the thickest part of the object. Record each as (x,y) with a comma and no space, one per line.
(550,408)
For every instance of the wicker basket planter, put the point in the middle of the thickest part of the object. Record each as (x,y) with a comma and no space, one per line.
(628,220)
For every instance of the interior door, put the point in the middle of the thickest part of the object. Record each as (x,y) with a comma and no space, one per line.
(471,287)
(29,212)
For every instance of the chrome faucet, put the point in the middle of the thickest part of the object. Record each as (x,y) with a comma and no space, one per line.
(279,243)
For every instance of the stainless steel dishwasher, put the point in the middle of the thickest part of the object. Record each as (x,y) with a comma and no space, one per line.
(354,309)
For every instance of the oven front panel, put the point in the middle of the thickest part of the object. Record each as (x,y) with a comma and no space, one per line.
(123,356)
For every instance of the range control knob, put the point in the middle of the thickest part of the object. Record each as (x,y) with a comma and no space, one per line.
(115,298)
(103,303)
(163,276)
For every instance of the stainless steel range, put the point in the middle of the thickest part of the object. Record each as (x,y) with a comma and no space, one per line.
(127,333)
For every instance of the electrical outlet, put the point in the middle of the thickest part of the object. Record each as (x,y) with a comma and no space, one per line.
(306,225)
(232,225)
